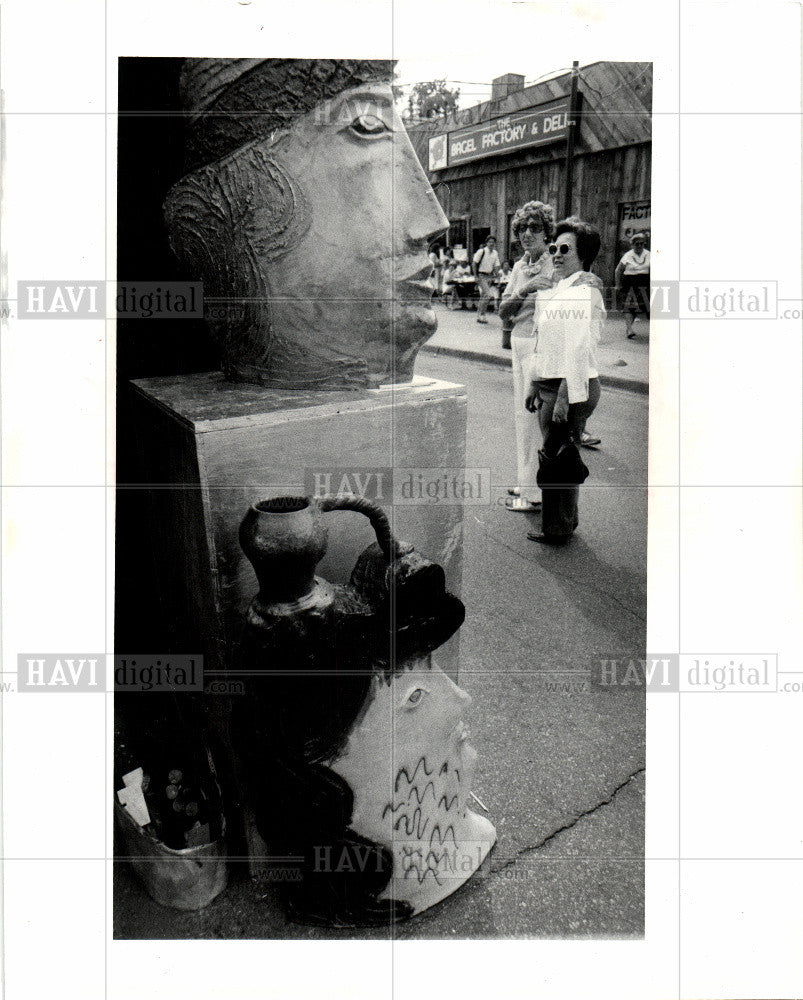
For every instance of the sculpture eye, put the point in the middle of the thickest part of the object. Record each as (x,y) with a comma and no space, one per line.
(369,125)
(414,698)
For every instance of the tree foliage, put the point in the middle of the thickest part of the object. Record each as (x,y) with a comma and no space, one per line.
(431,98)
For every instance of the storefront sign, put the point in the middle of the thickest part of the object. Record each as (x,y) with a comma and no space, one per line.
(634,217)
(437,152)
(533,127)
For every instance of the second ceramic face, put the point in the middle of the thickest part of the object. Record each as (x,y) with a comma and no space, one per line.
(410,767)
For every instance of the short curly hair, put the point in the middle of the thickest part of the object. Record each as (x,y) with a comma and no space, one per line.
(534,211)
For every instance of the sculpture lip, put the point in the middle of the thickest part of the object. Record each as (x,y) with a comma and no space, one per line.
(415,287)
(415,291)
(420,275)
(461,733)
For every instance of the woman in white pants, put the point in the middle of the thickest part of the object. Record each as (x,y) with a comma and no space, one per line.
(533,226)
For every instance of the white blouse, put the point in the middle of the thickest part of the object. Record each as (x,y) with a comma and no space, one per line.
(567,327)
(522,273)
(633,264)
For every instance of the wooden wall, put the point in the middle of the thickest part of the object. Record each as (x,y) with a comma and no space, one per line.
(602,180)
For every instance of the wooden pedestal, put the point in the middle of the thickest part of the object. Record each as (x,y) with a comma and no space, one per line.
(209,449)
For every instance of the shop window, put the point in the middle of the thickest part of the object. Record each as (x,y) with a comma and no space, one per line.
(514,248)
(479,236)
(458,232)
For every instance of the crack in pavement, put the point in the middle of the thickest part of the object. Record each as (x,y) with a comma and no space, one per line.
(566,826)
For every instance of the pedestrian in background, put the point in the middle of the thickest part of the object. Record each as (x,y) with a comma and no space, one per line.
(435,276)
(532,225)
(449,268)
(501,283)
(486,267)
(462,270)
(564,387)
(632,279)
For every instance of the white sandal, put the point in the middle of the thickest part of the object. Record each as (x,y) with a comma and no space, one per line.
(522,506)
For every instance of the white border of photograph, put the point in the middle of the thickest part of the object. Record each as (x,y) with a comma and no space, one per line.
(736,574)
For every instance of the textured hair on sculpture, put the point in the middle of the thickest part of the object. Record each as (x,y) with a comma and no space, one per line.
(232,101)
(307,216)
(221,219)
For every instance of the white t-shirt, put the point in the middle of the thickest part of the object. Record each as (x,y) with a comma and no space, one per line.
(636,265)
(487,261)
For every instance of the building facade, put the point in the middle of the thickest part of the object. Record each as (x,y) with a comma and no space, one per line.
(486,161)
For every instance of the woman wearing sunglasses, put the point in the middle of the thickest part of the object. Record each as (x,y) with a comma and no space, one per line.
(564,381)
(532,225)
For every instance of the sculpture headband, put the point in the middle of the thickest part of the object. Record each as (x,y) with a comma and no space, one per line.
(230,102)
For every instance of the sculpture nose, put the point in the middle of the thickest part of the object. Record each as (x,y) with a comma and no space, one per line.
(418,213)
(462,698)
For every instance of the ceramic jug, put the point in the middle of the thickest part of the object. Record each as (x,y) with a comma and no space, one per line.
(285,538)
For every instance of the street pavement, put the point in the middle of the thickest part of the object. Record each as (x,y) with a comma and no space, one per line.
(622,363)
(561,766)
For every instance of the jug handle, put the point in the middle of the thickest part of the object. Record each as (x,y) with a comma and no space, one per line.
(391,548)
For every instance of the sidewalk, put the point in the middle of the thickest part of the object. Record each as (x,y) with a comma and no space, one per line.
(623,363)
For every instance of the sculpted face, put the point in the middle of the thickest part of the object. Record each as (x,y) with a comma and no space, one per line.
(410,766)
(319,237)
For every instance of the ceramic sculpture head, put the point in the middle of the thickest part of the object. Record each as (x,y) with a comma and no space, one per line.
(410,765)
(365,777)
(307,212)
(354,742)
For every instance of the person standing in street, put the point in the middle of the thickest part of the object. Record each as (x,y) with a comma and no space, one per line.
(564,388)
(532,226)
(437,269)
(632,279)
(486,267)
(447,279)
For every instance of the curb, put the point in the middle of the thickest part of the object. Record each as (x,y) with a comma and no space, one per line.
(612,381)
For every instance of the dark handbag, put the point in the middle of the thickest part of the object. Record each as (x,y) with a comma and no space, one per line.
(559,461)
(560,472)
